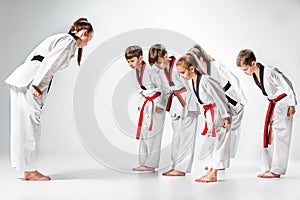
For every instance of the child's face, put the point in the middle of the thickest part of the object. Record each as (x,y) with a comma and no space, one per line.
(162,62)
(247,69)
(135,62)
(186,73)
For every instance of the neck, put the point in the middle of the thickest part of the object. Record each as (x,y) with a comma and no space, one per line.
(139,67)
(168,61)
(194,77)
(256,69)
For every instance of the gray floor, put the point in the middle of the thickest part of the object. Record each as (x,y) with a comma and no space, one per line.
(81,177)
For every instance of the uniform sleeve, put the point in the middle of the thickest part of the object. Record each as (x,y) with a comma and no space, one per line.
(235,91)
(158,80)
(59,57)
(285,85)
(215,90)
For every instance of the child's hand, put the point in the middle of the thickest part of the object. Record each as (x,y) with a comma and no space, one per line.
(191,113)
(158,109)
(37,93)
(226,122)
(291,111)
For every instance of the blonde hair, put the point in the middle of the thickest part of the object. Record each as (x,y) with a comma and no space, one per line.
(188,60)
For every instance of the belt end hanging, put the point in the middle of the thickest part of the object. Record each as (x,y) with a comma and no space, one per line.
(138,133)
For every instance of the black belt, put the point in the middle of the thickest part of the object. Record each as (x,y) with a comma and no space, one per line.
(38,58)
(143,87)
(227,86)
(41,58)
(230,100)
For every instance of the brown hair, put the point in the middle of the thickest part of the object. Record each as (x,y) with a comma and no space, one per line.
(155,52)
(133,51)
(245,57)
(200,53)
(78,25)
(188,60)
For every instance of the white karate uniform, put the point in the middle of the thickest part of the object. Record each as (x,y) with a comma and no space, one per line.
(184,122)
(274,83)
(235,96)
(150,141)
(215,149)
(56,51)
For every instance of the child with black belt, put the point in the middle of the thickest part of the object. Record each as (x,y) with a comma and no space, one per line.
(29,85)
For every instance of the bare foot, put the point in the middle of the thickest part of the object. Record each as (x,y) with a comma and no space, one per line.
(144,168)
(174,173)
(262,174)
(35,176)
(207,179)
(202,177)
(164,174)
(211,176)
(270,175)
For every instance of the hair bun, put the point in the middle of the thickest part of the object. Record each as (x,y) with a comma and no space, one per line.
(197,46)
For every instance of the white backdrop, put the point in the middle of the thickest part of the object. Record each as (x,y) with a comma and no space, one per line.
(270,27)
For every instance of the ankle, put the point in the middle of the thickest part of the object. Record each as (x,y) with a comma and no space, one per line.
(28,173)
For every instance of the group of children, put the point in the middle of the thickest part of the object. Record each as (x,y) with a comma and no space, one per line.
(192,85)
(200,85)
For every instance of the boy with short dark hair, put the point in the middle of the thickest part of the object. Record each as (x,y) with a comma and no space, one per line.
(151,108)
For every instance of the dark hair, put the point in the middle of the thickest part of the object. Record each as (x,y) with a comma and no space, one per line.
(200,53)
(245,57)
(133,51)
(78,25)
(155,52)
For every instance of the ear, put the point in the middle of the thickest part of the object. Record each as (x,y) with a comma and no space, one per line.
(253,63)
(192,68)
(84,32)
(166,56)
(81,33)
(140,58)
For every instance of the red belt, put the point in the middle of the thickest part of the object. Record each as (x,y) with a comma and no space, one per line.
(211,108)
(268,121)
(178,94)
(147,99)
